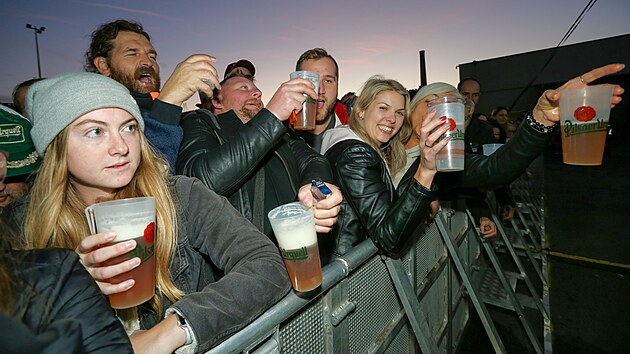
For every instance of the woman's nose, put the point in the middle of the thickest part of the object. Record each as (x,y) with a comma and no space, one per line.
(118,145)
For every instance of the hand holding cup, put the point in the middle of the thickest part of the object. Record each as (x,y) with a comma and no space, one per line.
(430,145)
(96,250)
(196,73)
(289,97)
(547,109)
(122,229)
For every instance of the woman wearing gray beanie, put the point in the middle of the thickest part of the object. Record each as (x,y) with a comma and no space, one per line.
(89,132)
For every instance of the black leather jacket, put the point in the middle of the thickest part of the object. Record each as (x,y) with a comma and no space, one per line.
(225,154)
(373,208)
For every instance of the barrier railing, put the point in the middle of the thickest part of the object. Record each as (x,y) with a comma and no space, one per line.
(365,307)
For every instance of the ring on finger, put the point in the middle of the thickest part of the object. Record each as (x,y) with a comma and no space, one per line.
(427,145)
(582,79)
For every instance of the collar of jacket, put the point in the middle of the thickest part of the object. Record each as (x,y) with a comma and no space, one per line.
(144,100)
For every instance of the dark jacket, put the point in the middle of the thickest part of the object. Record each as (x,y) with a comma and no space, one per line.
(373,208)
(229,156)
(161,125)
(58,308)
(229,272)
(500,168)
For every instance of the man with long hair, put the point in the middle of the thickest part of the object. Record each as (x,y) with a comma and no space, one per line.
(122,50)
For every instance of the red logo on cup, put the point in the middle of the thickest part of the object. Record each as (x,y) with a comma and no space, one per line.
(451,125)
(149,232)
(584,113)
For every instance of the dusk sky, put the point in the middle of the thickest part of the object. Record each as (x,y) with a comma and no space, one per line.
(366,37)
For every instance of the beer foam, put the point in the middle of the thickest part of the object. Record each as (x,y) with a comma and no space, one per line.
(125,232)
(293,234)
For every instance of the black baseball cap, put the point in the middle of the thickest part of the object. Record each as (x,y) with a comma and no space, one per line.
(243,63)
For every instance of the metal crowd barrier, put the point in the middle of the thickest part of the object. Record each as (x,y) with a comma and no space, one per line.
(420,302)
(370,303)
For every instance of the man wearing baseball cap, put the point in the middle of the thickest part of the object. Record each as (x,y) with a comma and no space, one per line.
(243,67)
(22,159)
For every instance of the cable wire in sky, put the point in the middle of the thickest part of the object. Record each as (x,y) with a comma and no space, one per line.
(575,24)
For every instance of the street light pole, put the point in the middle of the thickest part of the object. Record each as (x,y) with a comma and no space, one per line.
(37,30)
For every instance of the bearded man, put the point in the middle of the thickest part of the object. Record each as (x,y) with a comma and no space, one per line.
(123,51)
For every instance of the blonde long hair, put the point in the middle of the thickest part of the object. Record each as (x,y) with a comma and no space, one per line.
(56,218)
(393,152)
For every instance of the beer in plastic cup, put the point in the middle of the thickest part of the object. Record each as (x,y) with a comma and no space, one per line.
(584,114)
(305,119)
(451,157)
(130,219)
(294,227)
(489,149)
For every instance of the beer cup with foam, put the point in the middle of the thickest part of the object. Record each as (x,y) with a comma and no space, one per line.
(294,227)
(130,219)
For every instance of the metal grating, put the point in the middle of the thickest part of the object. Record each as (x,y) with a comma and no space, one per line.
(430,249)
(463,251)
(303,333)
(458,223)
(475,246)
(492,290)
(457,285)
(401,343)
(377,304)
(460,318)
(435,303)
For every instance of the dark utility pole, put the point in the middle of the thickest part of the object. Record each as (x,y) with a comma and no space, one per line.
(423,69)
(37,30)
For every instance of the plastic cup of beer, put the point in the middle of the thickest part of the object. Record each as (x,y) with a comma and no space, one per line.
(584,114)
(451,157)
(130,219)
(305,119)
(294,227)
(489,149)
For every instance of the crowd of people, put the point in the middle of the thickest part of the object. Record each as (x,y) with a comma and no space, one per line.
(114,132)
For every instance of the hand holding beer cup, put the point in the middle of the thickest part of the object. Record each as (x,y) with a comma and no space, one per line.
(290,97)
(547,109)
(584,112)
(294,227)
(96,250)
(304,119)
(127,227)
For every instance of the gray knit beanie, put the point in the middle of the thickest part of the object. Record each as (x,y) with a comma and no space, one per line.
(432,89)
(54,103)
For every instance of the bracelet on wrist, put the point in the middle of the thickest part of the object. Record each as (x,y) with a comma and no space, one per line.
(539,127)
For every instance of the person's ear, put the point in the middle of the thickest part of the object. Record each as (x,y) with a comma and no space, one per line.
(101,65)
(216,103)
(361,115)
